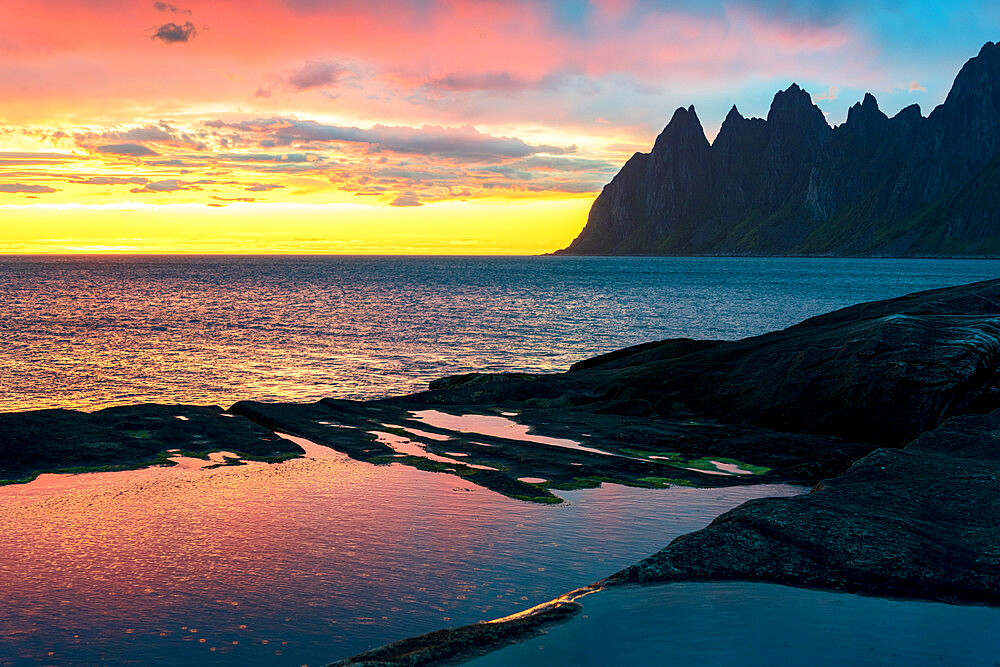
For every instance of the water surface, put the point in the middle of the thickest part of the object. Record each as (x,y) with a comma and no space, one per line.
(300,562)
(758,624)
(91,332)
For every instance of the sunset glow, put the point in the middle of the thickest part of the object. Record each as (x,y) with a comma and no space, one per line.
(396,127)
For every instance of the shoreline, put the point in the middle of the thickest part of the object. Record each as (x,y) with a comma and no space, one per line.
(890,408)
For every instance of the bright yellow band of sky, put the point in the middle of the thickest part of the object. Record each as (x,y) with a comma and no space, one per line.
(473,227)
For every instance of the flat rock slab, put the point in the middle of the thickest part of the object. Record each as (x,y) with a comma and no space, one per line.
(126,437)
(918,522)
(881,372)
(556,448)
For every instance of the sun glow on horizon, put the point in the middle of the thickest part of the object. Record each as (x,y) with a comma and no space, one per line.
(439,118)
(483,227)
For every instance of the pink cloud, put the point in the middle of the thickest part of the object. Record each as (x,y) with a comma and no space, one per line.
(102,50)
(830,94)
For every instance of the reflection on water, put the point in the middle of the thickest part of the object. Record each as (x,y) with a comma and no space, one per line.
(758,624)
(498,427)
(88,332)
(406,446)
(300,562)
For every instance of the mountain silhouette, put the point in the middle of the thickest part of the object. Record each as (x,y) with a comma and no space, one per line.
(792,185)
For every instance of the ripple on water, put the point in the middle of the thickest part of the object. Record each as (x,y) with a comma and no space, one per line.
(215,330)
(315,558)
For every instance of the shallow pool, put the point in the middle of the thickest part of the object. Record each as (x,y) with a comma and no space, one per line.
(301,562)
(758,624)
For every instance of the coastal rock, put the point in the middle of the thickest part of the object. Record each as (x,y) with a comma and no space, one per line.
(126,437)
(794,405)
(557,447)
(880,372)
(790,184)
(917,522)
(452,645)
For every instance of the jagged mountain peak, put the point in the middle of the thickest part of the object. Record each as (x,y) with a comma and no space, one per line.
(865,112)
(794,106)
(683,128)
(979,75)
(735,129)
(684,116)
(791,184)
(910,113)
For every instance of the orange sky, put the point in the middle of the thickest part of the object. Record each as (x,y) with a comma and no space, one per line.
(421,126)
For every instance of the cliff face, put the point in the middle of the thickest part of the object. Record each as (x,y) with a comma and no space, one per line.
(791,184)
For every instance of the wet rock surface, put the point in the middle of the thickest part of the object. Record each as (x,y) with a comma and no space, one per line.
(880,372)
(467,641)
(910,504)
(892,409)
(126,437)
(597,448)
(913,522)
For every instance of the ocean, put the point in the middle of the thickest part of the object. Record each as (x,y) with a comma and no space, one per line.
(320,557)
(90,332)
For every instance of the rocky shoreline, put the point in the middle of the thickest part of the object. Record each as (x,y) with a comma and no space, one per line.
(913,521)
(890,409)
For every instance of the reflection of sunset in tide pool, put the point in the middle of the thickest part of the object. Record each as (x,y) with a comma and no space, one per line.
(300,562)
(498,427)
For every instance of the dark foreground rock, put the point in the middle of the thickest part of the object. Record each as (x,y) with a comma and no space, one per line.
(881,372)
(126,437)
(795,405)
(918,376)
(467,641)
(915,522)
(918,522)
(637,451)
(799,404)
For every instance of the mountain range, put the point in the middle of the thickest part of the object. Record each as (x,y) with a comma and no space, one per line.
(908,185)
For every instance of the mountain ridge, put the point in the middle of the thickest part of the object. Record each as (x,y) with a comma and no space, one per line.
(791,184)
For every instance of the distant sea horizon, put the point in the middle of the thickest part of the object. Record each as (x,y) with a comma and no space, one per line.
(89,331)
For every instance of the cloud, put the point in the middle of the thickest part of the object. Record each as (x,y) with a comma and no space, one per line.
(406,199)
(914,86)
(268,157)
(316,75)
(134,139)
(463,142)
(171,33)
(245,200)
(12,158)
(166,7)
(114,180)
(493,81)
(132,150)
(571,164)
(263,187)
(147,133)
(168,185)
(25,187)
(830,94)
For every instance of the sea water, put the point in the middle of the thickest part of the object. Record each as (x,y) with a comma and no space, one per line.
(301,562)
(317,558)
(91,332)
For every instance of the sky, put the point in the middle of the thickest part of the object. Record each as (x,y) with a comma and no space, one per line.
(424,126)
